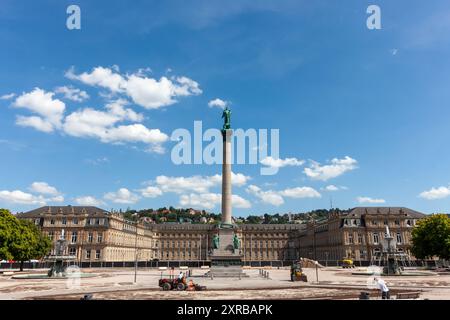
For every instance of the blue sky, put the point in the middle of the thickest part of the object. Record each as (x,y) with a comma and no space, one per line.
(86,114)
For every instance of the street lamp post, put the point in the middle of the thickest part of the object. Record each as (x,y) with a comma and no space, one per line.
(317,272)
(135,253)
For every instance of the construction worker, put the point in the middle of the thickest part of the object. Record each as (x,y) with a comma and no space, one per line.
(191,286)
(383,288)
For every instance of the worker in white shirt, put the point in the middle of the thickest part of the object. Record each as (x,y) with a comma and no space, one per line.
(383,288)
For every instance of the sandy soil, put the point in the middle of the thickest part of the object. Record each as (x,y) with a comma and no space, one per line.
(334,283)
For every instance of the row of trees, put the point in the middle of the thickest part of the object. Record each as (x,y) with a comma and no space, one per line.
(21,240)
(172,214)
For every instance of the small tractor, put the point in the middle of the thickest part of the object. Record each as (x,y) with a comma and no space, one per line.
(172,284)
(347,263)
(168,284)
(297,272)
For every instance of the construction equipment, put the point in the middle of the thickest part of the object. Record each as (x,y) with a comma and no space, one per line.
(177,284)
(172,284)
(347,263)
(297,272)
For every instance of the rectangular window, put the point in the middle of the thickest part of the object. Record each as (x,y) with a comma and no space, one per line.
(376,238)
(397,222)
(385,222)
(75,221)
(72,251)
(350,238)
(52,221)
(97,221)
(88,254)
(99,237)
(97,254)
(74,237)
(90,237)
(408,223)
(360,238)
(374,223)
(51,234)
(399,237)
(102,221)
(64,220)
(37,221)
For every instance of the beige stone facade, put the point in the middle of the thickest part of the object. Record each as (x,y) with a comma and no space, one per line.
(94,234)
(357,234)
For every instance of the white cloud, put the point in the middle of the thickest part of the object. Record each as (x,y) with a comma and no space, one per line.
(7,96)
(276,197)
(72,93)
(332,188)
(97,161)
(151,192)
(101,125)
(239,202)
(436,193)
(280,163)
(41,102)
(21,197)
(123,196)
(270,197)
(333,170)
(56,199)
(89,201)
(300,192)
(394,51)
(238,179)
(204,200)
(147,92)
(211,200)
(369,200)
(198,184)
(106,125)
(43,188)
(217,103)
(35,122)
(117,108)
(102,77)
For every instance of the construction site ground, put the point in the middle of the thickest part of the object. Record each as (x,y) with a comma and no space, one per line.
(334,283)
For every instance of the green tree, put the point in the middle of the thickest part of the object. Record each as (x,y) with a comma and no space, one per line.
(21,240)
(9,228)
(30,243)
(431,237)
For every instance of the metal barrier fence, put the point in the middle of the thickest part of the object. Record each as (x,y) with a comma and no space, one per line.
(190,264)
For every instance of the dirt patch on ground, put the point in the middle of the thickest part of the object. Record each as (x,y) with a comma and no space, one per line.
(277,294)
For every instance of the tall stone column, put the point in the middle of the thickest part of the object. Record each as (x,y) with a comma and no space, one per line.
(226,177)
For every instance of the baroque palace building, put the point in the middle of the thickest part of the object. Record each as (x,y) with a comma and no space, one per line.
(94,234)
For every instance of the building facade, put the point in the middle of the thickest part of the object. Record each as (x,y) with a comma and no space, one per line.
(358,234)
(94,234)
